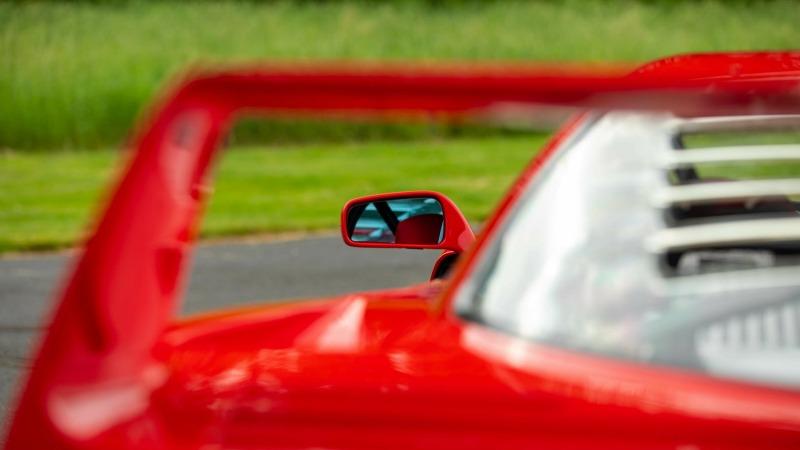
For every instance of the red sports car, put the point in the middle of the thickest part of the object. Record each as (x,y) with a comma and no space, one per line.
(637,287)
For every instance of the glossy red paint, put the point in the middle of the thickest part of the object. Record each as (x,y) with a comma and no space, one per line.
(386,369)
(458,235)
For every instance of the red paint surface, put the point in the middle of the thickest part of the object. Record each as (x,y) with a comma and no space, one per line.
(388,369)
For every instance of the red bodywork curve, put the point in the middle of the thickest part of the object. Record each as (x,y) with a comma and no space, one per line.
(376,370)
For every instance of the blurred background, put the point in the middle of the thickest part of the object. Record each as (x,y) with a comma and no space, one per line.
(74,76)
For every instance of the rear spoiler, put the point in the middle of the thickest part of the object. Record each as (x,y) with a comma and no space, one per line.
(734,84)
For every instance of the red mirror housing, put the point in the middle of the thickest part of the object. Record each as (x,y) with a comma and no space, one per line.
(410,219)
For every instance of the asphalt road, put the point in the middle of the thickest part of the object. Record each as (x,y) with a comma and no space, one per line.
(223,275)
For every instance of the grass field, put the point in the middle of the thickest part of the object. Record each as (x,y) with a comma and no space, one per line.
(74,75)
(46,199)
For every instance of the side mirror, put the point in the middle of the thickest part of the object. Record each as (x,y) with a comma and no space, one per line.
(417,219)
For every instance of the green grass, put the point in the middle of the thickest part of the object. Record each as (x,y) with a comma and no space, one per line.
(46,199)
(74,75)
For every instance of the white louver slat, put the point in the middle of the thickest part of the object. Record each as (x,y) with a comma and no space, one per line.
(726,190)
(744,232)
(741,154)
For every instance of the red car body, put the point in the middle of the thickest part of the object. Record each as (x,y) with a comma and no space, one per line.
(388,369)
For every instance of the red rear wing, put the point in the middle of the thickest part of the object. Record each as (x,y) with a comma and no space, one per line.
(694,85)
(90,384)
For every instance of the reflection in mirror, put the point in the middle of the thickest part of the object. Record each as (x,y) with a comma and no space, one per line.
(415,221)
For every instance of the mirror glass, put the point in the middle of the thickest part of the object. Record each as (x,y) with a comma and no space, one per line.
(417,220)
